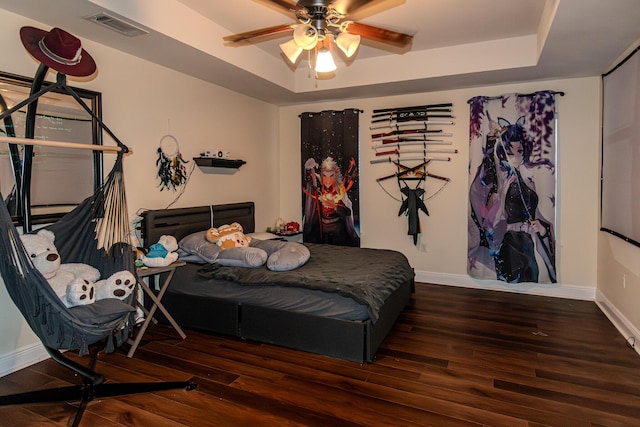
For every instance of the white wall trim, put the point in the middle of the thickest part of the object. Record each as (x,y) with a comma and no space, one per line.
(22,358)
(550,290)
(614,315)
(622,324)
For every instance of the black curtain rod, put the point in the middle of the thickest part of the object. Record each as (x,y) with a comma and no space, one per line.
(331,111)
(523,95)
(533,94)
(622,62)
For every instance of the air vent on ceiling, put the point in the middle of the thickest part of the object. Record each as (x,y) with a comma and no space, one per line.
(116,24)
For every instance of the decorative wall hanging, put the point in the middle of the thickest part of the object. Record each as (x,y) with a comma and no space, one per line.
(407,135)
(512,145)
(330,200)
(171,170)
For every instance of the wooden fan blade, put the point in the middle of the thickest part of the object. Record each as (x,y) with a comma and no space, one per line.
(348,7)
(258,33)
(287,5)
(379,34)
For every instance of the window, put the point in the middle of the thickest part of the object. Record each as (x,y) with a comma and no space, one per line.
(61,177)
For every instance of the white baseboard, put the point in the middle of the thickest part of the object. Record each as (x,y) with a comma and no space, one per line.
(551,290)
(621,323)
(22,358)
(614,315)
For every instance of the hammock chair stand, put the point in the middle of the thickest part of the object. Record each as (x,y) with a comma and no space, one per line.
(58,327)
(92,387)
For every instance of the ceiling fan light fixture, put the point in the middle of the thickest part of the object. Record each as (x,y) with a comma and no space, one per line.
(319,24)
(324,61)
(348,43)
(305,36)
(291,50)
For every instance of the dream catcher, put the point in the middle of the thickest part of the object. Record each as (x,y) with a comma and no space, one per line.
(171,170)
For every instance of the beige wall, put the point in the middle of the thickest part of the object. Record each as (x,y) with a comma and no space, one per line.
(445,229)
(619,272)
(141,103)
(619,284)
(591,264)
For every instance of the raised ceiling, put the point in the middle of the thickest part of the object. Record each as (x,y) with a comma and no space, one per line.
(457,43)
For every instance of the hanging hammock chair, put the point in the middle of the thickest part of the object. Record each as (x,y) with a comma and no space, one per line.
(97,233)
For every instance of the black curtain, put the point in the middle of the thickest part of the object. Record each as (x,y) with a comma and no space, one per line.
(330,201)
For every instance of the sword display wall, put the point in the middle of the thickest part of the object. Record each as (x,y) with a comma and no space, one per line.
(406,139)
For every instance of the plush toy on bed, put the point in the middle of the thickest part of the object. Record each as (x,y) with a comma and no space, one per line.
(228,236)
(238,250)
(74,283)
(162,253)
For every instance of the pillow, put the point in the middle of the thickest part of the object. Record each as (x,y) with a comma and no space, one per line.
(188,257)
(263,235)
(242,257)
(291,256)
(197,244)
(269,246)
(283,255)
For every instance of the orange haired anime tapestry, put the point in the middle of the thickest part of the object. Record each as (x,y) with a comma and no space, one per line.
(330,193)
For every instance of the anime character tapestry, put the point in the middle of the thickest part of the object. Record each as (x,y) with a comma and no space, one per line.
(512,188)
(329,141)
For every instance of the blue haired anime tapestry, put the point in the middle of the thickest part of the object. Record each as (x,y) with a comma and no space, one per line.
(512,188)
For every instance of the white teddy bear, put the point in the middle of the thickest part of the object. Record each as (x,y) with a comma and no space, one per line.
(119,285)
(74,283)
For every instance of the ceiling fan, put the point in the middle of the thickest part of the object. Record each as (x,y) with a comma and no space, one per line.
(318,23)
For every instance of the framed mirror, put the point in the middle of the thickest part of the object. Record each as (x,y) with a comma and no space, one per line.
(61,177)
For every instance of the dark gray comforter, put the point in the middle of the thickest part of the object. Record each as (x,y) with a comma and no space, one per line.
(368,276)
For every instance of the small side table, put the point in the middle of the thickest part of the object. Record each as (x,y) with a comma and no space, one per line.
(291,237)
(151,272)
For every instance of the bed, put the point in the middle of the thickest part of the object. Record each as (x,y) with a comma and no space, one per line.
(277,311)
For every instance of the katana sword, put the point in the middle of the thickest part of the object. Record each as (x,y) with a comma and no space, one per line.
(413,112)
(395,112)
(415,107)
(398,164)
(405,170)
(430,150)
(394,125)
(414,169)
(443,178)
(387,143)
(406,132)
(406,137)
(391,160)
(411,116)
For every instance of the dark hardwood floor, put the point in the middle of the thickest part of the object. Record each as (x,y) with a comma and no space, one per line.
(456,357)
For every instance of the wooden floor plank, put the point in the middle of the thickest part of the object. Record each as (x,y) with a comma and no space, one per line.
(455,357)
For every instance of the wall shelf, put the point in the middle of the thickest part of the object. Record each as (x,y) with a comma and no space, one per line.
(218,163)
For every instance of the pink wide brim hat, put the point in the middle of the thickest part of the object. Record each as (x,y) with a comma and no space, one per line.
(58,50)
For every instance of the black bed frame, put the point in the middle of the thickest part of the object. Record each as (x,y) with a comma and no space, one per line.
(356,341)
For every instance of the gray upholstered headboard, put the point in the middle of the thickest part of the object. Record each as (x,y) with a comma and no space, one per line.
(181,222)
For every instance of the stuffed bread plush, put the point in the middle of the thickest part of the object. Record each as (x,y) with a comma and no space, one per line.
(242,251)
(162,253)
(228,236)
(74,283)
(234,246)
